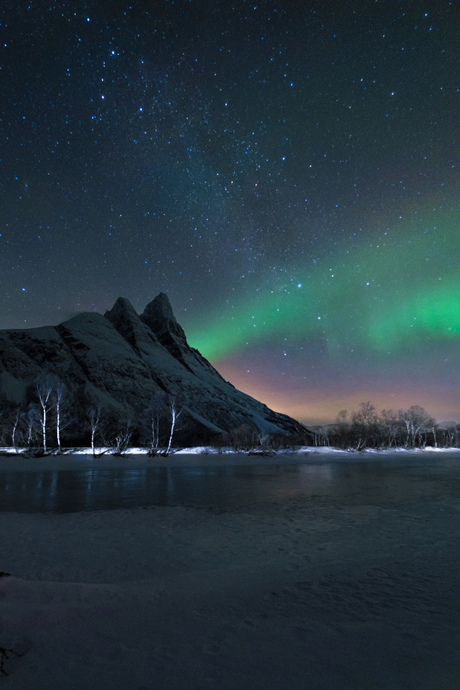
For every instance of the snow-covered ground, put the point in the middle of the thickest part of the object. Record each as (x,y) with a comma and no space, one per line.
(299,452)
(207,457)
(301,595)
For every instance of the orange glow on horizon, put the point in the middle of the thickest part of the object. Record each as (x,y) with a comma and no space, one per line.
(317,407)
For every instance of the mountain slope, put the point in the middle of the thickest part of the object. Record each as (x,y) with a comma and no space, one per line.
(122,359)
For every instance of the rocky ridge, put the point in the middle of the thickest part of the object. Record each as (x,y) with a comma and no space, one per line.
(122,359)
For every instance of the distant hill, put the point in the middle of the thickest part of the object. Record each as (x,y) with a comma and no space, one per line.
(448,425)
(121,359)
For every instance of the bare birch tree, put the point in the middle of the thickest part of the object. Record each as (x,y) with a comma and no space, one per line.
(94,415)
(32,416)
(175,413)
(16,420)
(390,426)
(123,436)
(60,393)
(416,420)
(45,388)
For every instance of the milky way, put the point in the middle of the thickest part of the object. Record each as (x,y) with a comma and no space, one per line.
(287,172)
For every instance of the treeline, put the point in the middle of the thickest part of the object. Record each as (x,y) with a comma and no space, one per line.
(367,428)
(51,417)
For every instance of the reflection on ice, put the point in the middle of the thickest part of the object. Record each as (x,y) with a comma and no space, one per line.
(125,483)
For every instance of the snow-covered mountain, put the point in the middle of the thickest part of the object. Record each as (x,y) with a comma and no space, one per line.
(122,359)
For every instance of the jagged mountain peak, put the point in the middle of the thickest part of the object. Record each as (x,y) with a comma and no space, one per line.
(127,322)
(122,314)
(159,317)
(162,303)
(121,308)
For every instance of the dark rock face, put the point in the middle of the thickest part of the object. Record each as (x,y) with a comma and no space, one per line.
(159,317)
(122,359)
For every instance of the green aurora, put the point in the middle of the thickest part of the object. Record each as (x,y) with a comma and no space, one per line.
(385,295)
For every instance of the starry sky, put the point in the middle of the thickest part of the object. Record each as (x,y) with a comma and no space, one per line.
(287,172)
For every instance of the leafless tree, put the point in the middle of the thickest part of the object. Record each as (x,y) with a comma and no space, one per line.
(433,427)
(31,418)
(175,413)
(366,414)
(416,420)
(60,396)
(452,435)
(242,437)
(365,426)
(390,426)
(17,418)
(44,388)
(94,415)
(151,422)
(120,442)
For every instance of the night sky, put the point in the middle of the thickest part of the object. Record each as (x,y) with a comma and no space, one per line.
(287,172)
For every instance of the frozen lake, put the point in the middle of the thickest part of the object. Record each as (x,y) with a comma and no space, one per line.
(329,571)
(224,483)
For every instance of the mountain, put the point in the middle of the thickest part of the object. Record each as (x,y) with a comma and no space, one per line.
(122,359)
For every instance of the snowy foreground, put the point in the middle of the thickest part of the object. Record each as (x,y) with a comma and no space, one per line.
(292,596)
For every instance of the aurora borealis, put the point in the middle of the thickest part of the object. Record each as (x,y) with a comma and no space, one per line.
(384,297)
(286,172)
(390,304)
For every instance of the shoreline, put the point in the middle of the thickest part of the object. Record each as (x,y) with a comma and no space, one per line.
(136,458)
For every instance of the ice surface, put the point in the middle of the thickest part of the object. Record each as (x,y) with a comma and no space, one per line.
(336,597)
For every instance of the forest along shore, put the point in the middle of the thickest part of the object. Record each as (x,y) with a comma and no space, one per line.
(76,458)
